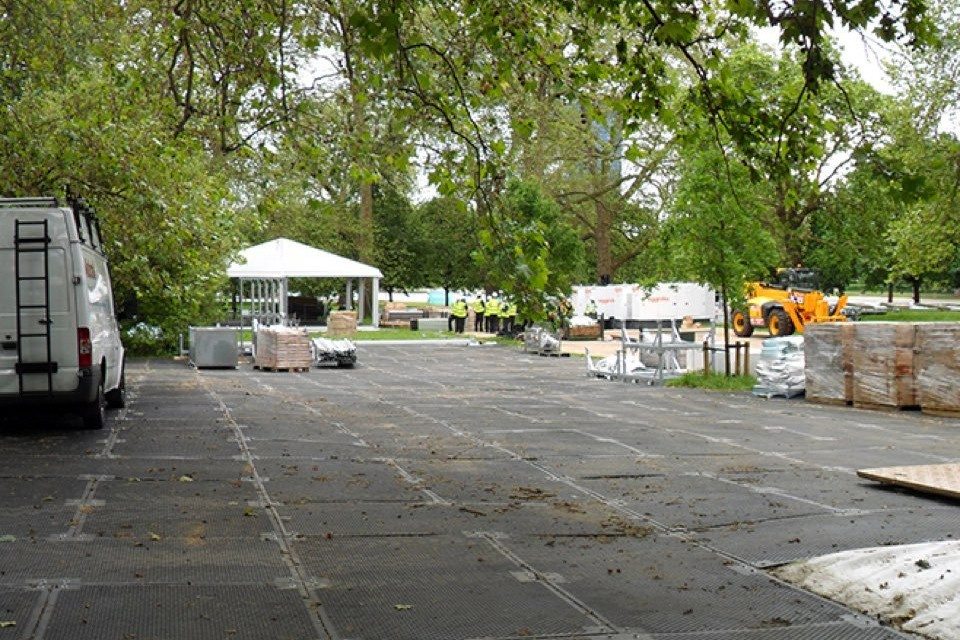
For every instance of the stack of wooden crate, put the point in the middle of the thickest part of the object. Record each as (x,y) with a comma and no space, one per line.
(828,364)
(341,323)
(884,365)
(283,349)
(583,332)
(938,367)
(887,365)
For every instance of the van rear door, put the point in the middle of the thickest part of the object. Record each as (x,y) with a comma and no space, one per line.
(36,301)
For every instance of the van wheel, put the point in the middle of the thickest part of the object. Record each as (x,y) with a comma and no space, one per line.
(95,414)
(117,398)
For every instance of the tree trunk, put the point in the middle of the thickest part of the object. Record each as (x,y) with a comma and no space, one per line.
(890,292)
(726,327)
(915,283)
(601,236)
(365,247)
(359,130)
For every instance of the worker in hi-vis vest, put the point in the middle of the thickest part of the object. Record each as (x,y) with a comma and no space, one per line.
(478,307)
(509,318)
(459,313)
(491,313)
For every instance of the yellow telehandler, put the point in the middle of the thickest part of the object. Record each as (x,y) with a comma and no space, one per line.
(787,305)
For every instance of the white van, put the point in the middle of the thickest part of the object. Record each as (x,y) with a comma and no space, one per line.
(59,337)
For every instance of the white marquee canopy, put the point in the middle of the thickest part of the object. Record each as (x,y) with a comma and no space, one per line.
(268,266)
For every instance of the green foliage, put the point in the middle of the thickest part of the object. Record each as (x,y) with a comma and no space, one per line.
(397,237)
(527,251)
(795,141)
(141,339)
(223,66)
(169,222)
(196,127)
(848,230)
(716,235)
(448,239)
(919,246)
(895,217)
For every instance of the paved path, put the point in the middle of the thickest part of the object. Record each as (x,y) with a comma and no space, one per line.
(446,492)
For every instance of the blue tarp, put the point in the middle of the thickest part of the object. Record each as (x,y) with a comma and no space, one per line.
(436,297)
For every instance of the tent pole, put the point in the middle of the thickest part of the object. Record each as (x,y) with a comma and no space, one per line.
(268,302)
(259,300)
(240,333)
(349,294)
(272,301)
(361,289)
(375,316)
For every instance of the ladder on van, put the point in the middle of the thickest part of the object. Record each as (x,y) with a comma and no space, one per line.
(31,238)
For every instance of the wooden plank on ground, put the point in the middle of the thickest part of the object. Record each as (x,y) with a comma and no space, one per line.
(941,479)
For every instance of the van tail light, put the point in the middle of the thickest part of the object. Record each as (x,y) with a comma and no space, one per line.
(84,347)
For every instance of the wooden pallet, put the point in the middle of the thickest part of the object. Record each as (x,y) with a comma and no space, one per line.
(889,408)
(945,412)
(833,402)
(940,479)
(282,369)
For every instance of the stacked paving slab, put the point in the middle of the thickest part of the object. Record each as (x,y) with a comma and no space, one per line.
(283,349)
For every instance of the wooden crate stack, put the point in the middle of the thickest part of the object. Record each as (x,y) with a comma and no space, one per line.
(828,362)
(283,349)
(885,365)
(341,323)
(938,368)
(583,332)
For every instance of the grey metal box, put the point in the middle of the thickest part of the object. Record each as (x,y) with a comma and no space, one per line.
(213,347)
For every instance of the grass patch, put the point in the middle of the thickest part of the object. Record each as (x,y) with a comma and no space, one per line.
(713,382)
(914,315)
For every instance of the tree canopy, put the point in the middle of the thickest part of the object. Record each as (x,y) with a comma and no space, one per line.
(563,142)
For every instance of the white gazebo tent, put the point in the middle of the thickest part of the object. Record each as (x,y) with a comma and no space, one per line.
(263,271)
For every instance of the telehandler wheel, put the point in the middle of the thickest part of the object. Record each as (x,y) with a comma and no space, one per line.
(741,324)
(779,323)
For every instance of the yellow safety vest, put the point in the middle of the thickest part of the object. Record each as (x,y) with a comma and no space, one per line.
(478,306)
(459,309)
(492,308)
